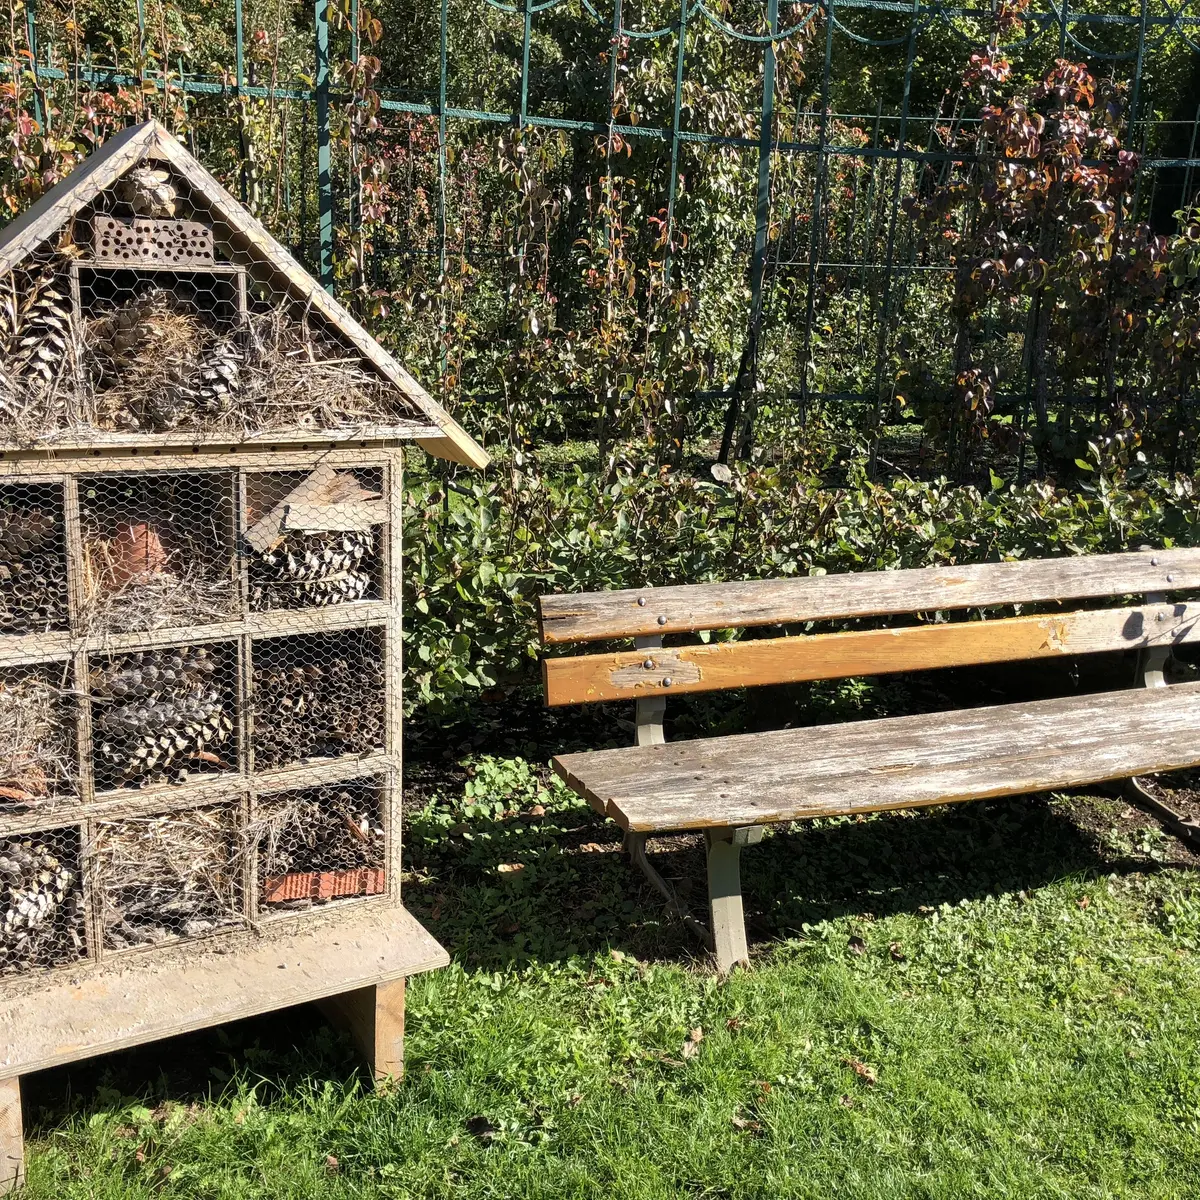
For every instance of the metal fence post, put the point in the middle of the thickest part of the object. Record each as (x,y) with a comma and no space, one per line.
(324,157)
(673,181)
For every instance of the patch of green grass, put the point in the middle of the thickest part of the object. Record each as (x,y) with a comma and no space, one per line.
(999,1000)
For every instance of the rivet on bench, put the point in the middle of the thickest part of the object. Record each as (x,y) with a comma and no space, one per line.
(668,681)
(649,664)
(663,620)
(1170,578)
(642,599)
(1153,563)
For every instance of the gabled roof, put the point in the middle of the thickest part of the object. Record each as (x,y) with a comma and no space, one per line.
(249,243)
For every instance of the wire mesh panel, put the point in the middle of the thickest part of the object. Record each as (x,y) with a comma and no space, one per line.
(166,876)
(39,759)
(314,538)
(41,901)
(319,845)
(33,558)
(161,716)
(318,695)
(157,550)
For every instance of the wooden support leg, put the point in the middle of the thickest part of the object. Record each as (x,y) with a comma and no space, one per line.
(374,1018)
(12,1136)
(725,893)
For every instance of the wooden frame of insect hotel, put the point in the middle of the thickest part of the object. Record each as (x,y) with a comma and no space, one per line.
(200,473)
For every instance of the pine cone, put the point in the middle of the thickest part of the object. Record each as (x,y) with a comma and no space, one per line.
(214,385)
(165,711)
(316,569)
(149,193)
(34,883)
(42,330)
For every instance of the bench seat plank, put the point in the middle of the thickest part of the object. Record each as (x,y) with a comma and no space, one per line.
(893,762)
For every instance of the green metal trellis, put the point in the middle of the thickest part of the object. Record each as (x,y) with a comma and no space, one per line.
(814,135)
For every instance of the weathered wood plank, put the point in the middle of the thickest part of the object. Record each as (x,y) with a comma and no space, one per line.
(594,616)
(896,762)
(638,674)
(126,1002)
(12,1136)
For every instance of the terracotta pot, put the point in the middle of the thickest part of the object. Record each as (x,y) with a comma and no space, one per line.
(135,553)
(324,885)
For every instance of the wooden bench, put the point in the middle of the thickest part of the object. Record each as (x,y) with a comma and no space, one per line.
(730,787)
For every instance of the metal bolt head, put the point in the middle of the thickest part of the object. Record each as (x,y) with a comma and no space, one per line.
(1170,577)
(641,602)
(649,664)
(663,620)
(1162,616)
(668,681)
(1153,563)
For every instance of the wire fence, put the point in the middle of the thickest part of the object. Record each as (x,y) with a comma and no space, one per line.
(824,241)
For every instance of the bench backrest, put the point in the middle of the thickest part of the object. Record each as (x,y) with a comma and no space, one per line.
(646,614)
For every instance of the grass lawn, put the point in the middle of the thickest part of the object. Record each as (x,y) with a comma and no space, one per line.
(999,1000)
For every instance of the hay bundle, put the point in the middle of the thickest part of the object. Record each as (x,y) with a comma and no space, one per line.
(35,759)
(174,875)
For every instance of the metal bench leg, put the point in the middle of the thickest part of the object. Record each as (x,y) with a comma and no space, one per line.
(725,893)
(12,1136)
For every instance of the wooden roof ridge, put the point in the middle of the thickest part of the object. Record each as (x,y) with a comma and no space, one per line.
(248,237)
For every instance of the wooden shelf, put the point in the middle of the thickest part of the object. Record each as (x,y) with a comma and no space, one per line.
(102,1007)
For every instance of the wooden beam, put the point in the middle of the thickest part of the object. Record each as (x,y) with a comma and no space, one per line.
(12,1136)
(374,1018)
(895,762)
(637,674)
(597,616)
(131,999)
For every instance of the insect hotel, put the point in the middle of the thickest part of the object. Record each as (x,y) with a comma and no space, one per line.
(200,505)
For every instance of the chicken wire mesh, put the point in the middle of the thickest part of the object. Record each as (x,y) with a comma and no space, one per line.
(158,550)
(39,759)
(169,875)
(315,538)
(41,901)
(33,558)
(137,318)
(163,715)
(318,695)
(319,845)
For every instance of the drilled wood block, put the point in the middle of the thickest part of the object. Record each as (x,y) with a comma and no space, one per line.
(133,241)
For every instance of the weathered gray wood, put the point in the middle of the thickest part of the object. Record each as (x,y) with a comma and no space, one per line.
(132,1000)
(725,899)
(586,678)
(12,1136)
(650,710)
(595,616)
(897,762)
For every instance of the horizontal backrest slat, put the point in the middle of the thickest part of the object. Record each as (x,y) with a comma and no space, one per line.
(636,674)
(595,616)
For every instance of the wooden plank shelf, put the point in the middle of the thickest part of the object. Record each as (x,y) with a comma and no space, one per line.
(126,1001)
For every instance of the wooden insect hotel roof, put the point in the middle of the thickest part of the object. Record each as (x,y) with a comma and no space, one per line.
(143,202)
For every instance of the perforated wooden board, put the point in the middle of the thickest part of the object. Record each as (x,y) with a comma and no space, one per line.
(164,242)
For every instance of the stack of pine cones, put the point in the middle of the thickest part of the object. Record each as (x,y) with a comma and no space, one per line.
(35,888)
(33,567)
(165,710)
(313,570)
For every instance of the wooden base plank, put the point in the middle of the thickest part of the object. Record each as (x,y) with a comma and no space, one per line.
(374,1018)
(12,1136)
(120,1003)
(895,762)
